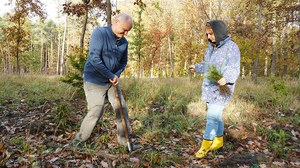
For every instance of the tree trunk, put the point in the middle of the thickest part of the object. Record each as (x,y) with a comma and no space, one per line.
(9,62)
(51,56)
(4,58)
(58,54)
(47,58)
(18,44)
(299,46)
(171,56)
(195,59)
(266,65)
(152,65)
(219,8)
(243,72)
(139,63)
(108,12)
(159,65)
(273,57)
(299,54)
(42,57)
(83,30)
(210,9)
(284,71)
(273,64)
(284,52)
(255,66)
(62,58)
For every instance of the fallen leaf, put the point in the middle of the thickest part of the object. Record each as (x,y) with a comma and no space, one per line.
(192,142)
(262,166)
(278,163)
(104,164)
(53,160)
(58,150)
(295,133)
(135,160)
(269,123)
(295,163)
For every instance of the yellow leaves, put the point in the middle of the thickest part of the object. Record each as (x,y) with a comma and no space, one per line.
(238,132)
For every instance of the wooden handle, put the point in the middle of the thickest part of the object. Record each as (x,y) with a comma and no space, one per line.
(122,118)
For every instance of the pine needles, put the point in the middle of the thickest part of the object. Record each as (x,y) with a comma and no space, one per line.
(214,75)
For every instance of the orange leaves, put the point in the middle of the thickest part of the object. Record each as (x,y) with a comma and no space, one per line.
(79,9)
(25,8)
(4,154)
(75,9)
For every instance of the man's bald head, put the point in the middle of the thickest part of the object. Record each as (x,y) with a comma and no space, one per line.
(122,24)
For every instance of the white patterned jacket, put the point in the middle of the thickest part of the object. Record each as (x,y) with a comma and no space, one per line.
(226,58)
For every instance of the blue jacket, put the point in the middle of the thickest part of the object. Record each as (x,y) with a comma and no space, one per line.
(225,56)
(107,56)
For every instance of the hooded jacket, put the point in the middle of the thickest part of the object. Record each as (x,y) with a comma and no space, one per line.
(224,54)
(107,56)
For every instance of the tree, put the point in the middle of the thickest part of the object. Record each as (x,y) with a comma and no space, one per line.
(22,10)
(138,38)
(108,12)
(83,9)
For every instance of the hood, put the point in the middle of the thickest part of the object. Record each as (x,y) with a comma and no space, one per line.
(220,30)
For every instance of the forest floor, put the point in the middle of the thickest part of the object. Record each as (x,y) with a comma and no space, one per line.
(39,133)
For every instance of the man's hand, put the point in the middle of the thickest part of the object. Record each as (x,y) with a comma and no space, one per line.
(222,81)
(192,68)
(114,81)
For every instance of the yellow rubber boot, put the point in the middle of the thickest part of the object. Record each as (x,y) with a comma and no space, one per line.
(205,147)
(217,143)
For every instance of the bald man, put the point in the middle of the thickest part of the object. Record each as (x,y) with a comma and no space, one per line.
(107,59)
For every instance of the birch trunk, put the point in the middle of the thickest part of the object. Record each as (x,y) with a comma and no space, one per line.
(243,72)
(266,65)
(62,58)
(273,57)
(51,55)
(58,54)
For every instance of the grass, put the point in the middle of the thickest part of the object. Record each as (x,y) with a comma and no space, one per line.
(35,90)
(164,109)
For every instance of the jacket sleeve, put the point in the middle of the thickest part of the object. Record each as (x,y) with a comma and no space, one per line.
(231,70)
(123,63)
(95,54)
(200,68)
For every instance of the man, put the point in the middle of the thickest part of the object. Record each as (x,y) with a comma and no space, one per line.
(223,54)
(107,59)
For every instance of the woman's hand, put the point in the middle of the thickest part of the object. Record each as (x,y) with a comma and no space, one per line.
(192,68)
(222,81)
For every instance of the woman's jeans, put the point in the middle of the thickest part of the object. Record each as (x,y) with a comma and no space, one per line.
(214,121)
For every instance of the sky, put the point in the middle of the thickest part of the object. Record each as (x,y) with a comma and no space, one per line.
(51,7)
